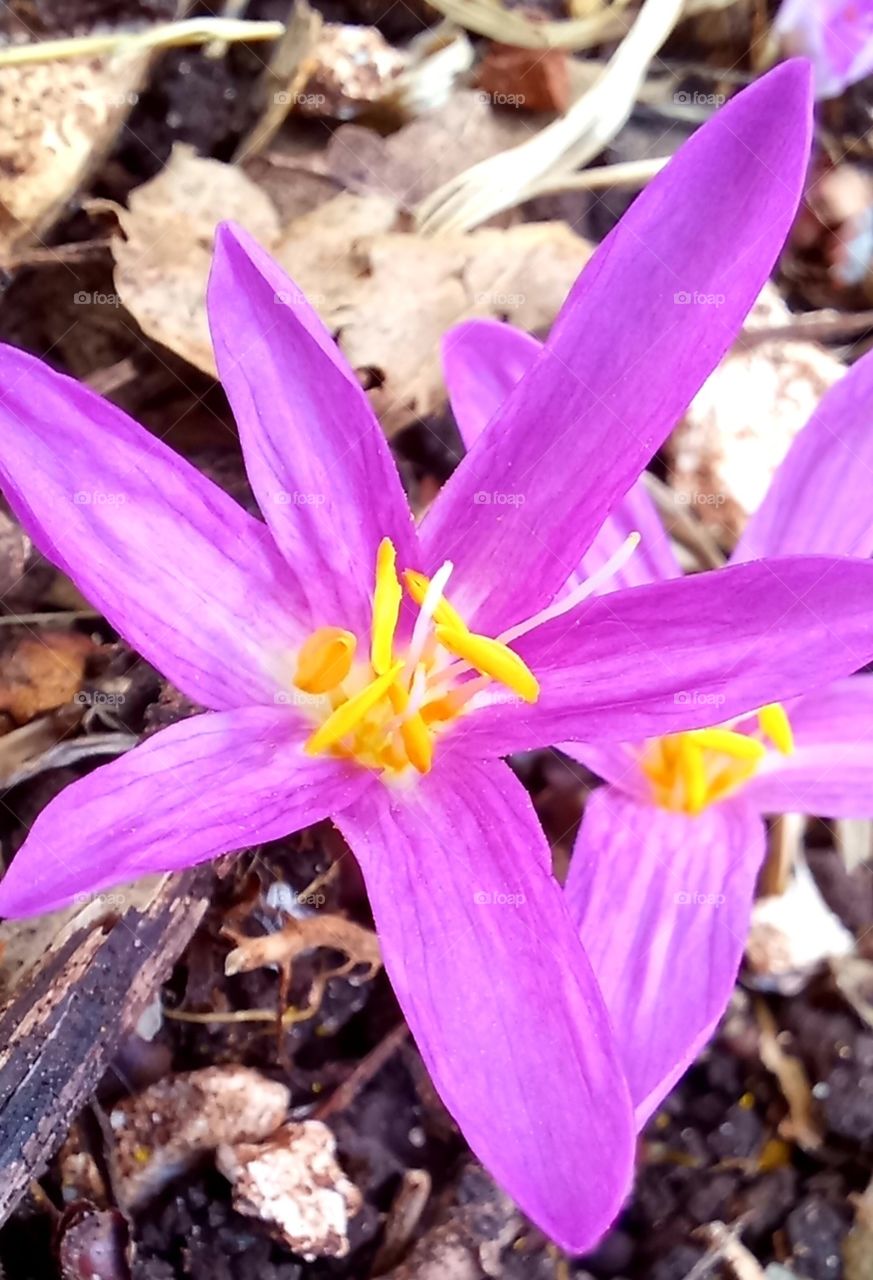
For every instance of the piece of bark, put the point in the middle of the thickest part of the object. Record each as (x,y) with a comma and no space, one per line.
(64,1020)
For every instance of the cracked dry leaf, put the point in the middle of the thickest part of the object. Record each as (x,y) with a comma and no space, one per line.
(388,295)
(391,296)
(57,120)
(162,260)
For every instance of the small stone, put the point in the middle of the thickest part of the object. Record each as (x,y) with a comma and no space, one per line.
(294,1184)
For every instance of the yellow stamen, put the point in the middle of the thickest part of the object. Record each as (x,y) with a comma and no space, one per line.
(444,708)
(413,731)
(325,659)
(351,713)
(491,658)
(774,722)
(736,745)
(386,607)
(417,585)
(692,771)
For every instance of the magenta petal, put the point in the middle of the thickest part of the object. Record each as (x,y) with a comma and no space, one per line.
(676,655)
(649,318)
(830,773)
(188,578)
(483,361)
(205,786)
(498,993)
(821,498)
(662,901)
(316,456)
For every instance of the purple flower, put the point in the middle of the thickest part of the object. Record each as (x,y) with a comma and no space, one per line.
(358,668)
(837,35)
(664,869)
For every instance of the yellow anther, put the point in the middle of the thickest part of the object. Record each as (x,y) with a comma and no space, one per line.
(736,745)
(325,659)
(692,772)
(417,585)
(413,730)
(444,708)
(386,607)
(348,716)
(774,722)
(491,658)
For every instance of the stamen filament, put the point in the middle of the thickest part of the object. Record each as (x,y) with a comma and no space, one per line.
(578,594)
(417,585)
(432,598)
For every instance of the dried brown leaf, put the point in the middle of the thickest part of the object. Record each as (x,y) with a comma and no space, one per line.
(56,121)
(389,295)
(162,260)
(42,672)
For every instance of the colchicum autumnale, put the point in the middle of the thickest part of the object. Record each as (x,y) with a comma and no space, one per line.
(355,667)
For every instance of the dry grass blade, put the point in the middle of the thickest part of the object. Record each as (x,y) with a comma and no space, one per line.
(165,36)
(567,144)
(629,176)
(511,26)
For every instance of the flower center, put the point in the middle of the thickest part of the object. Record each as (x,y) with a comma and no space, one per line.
(689,771)
(387,711)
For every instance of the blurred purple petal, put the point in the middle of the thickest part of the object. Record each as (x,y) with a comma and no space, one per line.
(681,654)
(483,361)
(650,316)
(190,580)
(316,456)
(662,901)
(837,35)
(498,993)
(209,785)
(830,773)
(821,499)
